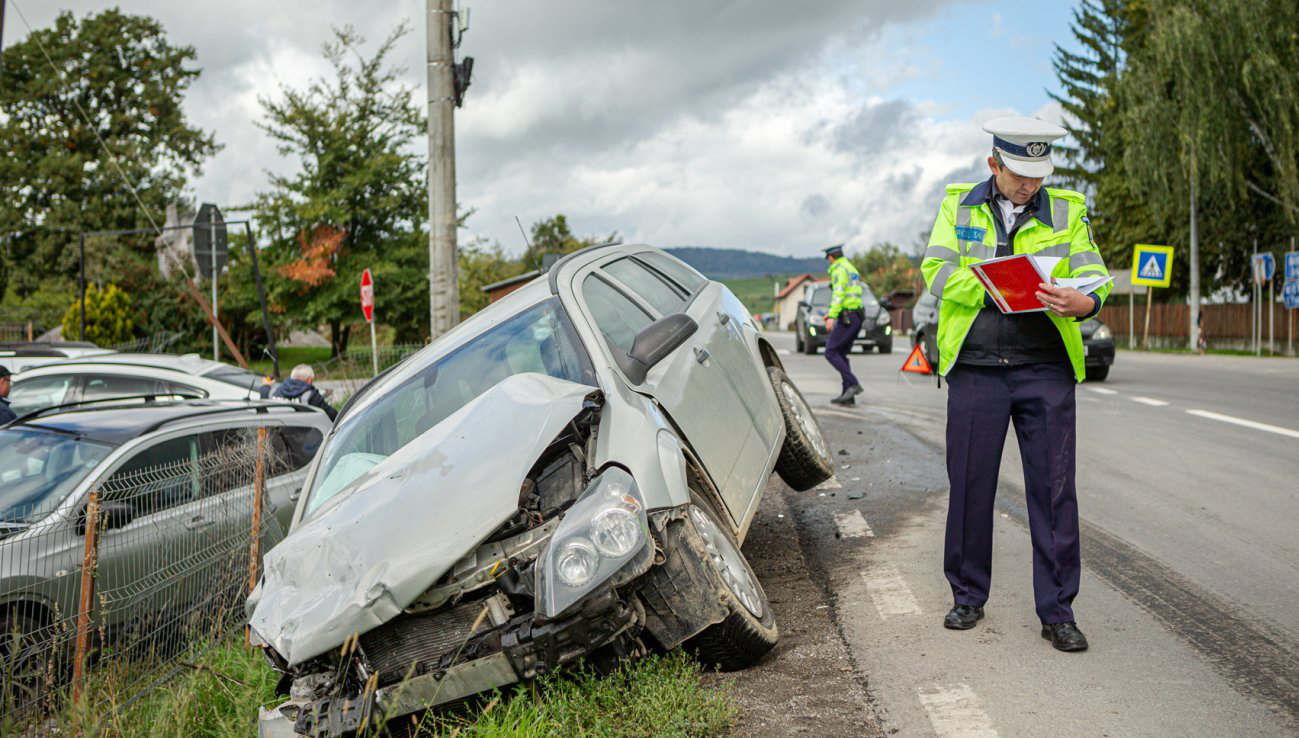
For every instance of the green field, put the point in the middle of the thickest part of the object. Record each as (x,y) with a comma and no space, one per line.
(756,293)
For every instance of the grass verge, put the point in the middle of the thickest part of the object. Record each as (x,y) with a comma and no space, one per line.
(219,696)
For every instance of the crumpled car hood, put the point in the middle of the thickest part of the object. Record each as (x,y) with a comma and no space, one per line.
(406,521)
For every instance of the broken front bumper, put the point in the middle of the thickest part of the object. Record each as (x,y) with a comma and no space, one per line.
(522,649)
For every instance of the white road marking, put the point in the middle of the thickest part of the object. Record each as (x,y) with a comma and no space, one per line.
(840,413)
(889,591)
(1149,401)
(1246,423)
(853,525)
(831,483)
(1101,390)
(955,712)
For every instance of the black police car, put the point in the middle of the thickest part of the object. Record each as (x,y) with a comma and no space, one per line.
(809,322)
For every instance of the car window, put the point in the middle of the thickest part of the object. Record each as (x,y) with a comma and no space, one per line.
(617,317)
(38,469)
(296,446)
(539,339)
(163,475)
(674,268)
(235,375)
(820,297)
(37,393)
(667,298)
(108,386)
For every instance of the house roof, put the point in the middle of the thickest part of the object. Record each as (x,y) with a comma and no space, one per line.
(798,281)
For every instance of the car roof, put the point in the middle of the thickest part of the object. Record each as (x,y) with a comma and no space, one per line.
(118,423)
(187,363)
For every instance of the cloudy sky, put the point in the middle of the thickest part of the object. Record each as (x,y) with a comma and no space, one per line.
(760,124)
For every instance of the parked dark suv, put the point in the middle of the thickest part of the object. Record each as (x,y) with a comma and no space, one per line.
(1098,341)
(809,323)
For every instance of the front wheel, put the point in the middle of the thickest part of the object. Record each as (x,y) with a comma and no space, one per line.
(749,628)
(804,460)
(1098,373)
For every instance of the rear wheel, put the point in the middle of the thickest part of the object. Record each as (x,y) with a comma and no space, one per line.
(749,629)
(804,460)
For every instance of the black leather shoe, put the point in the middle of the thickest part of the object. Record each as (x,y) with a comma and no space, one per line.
(1065,636)
(847,397)
(962,617)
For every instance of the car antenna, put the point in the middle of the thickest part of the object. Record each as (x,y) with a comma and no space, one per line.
(536,263)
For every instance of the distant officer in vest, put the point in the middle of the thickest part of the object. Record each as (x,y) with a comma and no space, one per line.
(843,320)
(1020,368)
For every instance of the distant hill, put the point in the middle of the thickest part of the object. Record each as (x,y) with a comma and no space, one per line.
(732,263)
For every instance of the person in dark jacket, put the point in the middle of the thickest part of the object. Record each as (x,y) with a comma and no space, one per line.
(6,382)
(297,388)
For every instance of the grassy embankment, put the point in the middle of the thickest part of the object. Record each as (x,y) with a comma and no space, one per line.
(756,293)
(219,697)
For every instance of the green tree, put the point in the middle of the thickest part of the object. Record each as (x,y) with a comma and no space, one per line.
(885,268)
(109,317)
(553,236)
(482,264)
(58,179)
(357,200)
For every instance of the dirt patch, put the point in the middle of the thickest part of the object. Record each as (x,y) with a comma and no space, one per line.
(807,685)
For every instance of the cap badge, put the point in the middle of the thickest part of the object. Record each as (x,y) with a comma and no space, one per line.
(1036,149)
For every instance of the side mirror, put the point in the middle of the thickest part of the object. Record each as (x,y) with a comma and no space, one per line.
(805,305)
(111,515)
(654,342)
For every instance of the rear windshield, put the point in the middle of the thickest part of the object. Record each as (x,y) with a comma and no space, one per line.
(40,468)
(236,376)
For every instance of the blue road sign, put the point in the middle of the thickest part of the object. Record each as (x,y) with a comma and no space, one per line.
(1152,265)
(1292,265)
(1264,265)
(1291,293)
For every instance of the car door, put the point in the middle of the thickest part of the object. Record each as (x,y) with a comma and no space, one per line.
(140,563)
(690,383)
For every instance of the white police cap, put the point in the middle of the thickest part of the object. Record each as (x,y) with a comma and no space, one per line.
(1025,144)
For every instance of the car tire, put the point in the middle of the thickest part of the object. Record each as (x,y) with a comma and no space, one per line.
(809,347)
(749,629)
(805,459)
(798,340)
(1098,373)
(26,681)
(886,347)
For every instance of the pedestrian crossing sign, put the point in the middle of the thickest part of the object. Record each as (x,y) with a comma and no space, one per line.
(1152,266)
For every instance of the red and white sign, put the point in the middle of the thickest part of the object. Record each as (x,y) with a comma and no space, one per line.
(367,296)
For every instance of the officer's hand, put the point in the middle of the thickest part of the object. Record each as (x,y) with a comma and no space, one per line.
(829,323)
(1065,301)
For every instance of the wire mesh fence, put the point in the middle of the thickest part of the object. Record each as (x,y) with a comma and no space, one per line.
(154,344)
(109,588)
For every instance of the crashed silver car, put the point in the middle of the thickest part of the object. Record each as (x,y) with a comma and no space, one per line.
(568,474)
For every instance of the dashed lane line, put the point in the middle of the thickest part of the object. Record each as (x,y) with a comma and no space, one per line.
(1245,423)
(1149,401)
(955,712)
(853,524)
(1101,390)
(889,591)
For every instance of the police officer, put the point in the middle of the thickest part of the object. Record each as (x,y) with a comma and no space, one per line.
(6,382)
(843,320)
(1020,368)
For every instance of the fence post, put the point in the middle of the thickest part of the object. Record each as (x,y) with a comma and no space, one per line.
(259,489)
(89,561)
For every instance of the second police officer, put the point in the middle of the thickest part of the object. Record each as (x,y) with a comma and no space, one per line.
(843,320)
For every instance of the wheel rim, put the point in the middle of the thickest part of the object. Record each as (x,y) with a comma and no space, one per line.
(728,562)
(803,414)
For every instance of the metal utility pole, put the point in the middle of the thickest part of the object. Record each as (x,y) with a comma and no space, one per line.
(1195,275)
(443,280)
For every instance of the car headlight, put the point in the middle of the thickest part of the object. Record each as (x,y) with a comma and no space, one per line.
(885,318)
(606,529)
(1102,333)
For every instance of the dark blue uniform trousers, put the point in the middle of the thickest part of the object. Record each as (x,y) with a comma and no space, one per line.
(839,344)
(981,401)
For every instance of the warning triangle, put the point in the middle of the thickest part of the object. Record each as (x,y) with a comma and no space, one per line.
(916,362)
(1151,269)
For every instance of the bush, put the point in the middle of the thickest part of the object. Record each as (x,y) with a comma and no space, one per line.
(109,317)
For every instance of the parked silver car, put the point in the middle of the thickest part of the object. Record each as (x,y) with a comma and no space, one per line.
(169,519)
(569,473)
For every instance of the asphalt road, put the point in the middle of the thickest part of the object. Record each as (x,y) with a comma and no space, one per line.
(1189,495)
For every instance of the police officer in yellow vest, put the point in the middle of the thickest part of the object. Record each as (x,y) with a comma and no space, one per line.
(843,320)
(1020,368)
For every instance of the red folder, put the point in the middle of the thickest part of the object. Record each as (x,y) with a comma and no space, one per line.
(1012,281)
